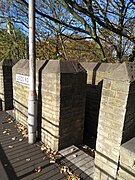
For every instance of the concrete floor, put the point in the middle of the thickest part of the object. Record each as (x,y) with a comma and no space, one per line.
(20,159)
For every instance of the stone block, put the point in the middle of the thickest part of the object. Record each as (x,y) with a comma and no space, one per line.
(120,178)
(120,86)
(105,168)
(121,96)
(127,154)
(126,174)
(108,93)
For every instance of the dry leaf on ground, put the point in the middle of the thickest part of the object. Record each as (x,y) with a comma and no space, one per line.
(38,169)
(22,129)
(52,161)
(73,177)
(13,138)
(75,155)
(7,131)
(28,159)
(64,169)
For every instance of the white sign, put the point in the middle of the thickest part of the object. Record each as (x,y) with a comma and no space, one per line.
(22,79)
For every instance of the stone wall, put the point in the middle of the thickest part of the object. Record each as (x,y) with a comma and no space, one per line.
(61,88)
(20,92)
(114,123)
(127,161)
(96,72)
(129,123)
(6,92)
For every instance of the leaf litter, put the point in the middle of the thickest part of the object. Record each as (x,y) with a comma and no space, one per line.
(54,156)
(71,175)
(88,150)
(38,169)
(9,120)
(22,129)
(7,131)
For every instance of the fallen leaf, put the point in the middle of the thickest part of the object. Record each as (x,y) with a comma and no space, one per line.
(10,146)
(73,177)
(13,138)
(6,131)
(52,161)
(70,173)
(64,169)
(45,157)
(20,140)
(38,169)
(75,155)
(25,135)
(43,148)
(88,150)
(84,147)
(10,122)
(72,149)
(48,150)
(48,147)
(28,159)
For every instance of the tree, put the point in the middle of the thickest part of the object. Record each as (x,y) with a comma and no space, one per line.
(12,46)
(107,22)
(114,16)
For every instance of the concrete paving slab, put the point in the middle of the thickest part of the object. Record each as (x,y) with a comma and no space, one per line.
(79,161)
(14,163)
(20,161)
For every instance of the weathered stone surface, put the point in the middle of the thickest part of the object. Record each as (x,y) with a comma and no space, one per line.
(61,90)
(128,148)
(96,74)
(61,97)
(116,119)
(127,160)
(6,90)
(81,160)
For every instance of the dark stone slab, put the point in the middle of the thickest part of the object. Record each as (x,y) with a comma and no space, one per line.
(13,164)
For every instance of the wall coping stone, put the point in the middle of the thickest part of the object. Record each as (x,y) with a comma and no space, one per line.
(129,145)
(50,66)
(124,72)
(98,71)
(114,71)
(99,67)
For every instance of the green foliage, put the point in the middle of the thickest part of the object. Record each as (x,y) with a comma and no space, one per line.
(12,46)
(82,50)
(109,24)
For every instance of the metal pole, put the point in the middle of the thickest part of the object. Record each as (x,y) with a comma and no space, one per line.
(26,48)
(32,98)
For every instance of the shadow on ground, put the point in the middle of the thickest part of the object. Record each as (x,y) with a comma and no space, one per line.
(19,159)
